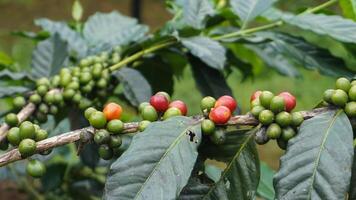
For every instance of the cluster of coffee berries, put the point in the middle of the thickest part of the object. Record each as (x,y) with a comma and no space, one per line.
(274,113)
(24,136)
(108,128)
(216,112)
(160,107)
(343,96)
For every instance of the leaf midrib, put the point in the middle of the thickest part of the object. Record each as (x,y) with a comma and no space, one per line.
(248,15)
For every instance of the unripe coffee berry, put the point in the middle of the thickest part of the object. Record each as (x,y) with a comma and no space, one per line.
(143,125)
(102,137)
(297,119)
(73,85)
(115,141)
(266,98)
(289,100)
(274,131)
(35,99)
(27,130)
(112,111)
(149,113)
(168,97)
(49,98)
(350,109)
(27,147)
(68,94)
(13,136)
(255,95)
(105,152)
(288,133)
(343,84)
(282,143)
(43,81)
(53,109)
(115,126)
(42,90)
(277,104)
(66,78)
(227,101)
(327,95)
(97,119)
(255,102)
(218,137)
(256,110)
(89,111)
(171,112)
(352,93)
(55,81)
(180,105)
(41,135)
(11,119)
(85,77)
(220,115)
(207,127)
(43,108)
(19,102)
(339,98)
(283,119)
(207,103)
(159,102)
(35,168)
(266,117)
(142,106)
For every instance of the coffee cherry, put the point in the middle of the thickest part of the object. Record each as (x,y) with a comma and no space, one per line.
(220,115)
(42,90)
(66,78)
(85,103)
(289,100)
(274,131)
(35,99)
(180,105)
(88,112)
(112,111)
(297,119)
(55,81)
(171,112)
(255,95)
(277,104)
(77,97)
(143,125)
(352,93)
(97,119)
(49,98)
(115,141)
(288,133)
(84,62)
(207,127)
(343,84)
(255,102)
(350,109)
(68,94)
(27,130)
(266,117)
(227,101)
(19,102)
(353,83)
(57,98)
(96,71)
(142,106)
(207,103)
(87,88)
(105,152)
(284,119)
(27,147)
(339,98)
(218,137)
(115,126)
(266,98)
(41,135)
(35,168)
(102,83)
(53,109)
(41,117)
(149,113)
(11,119)
(13,136)
(159,102)
(102,137)
(328,94)
(256,110)
(282,143)
(43,108)
(261,136)
(73,85)
(168,97)
(43,81)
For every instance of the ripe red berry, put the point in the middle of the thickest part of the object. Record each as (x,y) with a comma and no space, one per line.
(289,100)
(255,95)
(220,115)
(159,102)
(180,105)
(227,101)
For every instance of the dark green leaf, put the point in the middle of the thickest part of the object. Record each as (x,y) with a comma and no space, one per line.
(5,60)
(11,90)
(113,28)
(154,162)
(208,50)
(42,35)
(13,75)
(53,177)
(195,12)
(48,57)
(348,8)
(89,155)
(317,163)
(136,87)
(265,186)
(352,191)
(196,188)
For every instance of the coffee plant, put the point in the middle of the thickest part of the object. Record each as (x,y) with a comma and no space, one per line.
(64,119)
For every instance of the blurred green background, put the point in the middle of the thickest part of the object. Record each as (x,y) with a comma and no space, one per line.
(19,15)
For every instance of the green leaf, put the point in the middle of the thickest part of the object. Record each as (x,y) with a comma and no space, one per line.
(75,42)
(348,8)
(248,10)
(136,87)
(265,187)
(5,59)
(352,191)
(77,10)
(13,75)
(209,51)
(196,188)
(113,28)
(164,157)
(11,90)
(41,35)
(195,12)
(53,177)
(317,163)
(48,57)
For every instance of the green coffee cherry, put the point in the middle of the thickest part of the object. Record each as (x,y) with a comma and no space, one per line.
(350,109)
(97,119)
(142,106)
(328,94)
(256,110)
(77,98)
(115,141)
(53,109)
(86,89)
(41,135)
(73,85)
(143,125)
(68,94)
(35,168)
(42,90)
(115,126)
(274,131)
(284,119)
(277,104)
(41,117)
(255,102)
(27,130)
(343,84)
(96,71)
(57,98)
(339,98)
(85,77)
(266,117)
(102,83)
(35,99)
(11,119)
(207,127)
(297,119)
(207,103)
(149,113)
(55,81)
(105,152)
(266,98)
(66,78)
(85,103)
(13,136)
(49,98)
(27,147)
(282,143)
(352,93)
(171,112)
(19,102)
(288,133)
(43,108)
(43,81)
(218,137)
(102,137)
(88,112)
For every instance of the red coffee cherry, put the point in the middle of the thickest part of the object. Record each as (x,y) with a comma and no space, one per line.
(220,115)
(159,102)
(227,101)
(255,95)
(289,99)
(180,105)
